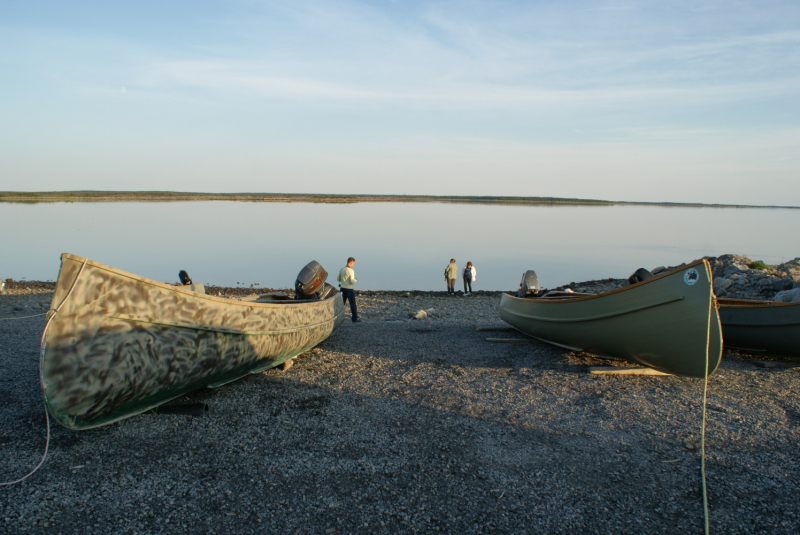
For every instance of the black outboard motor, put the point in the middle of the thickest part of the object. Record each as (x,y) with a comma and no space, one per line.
(186,280)
(639,275)
(326,291)
(310,281)
(529,284)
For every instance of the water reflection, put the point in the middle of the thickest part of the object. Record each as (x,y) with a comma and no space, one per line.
(398,246)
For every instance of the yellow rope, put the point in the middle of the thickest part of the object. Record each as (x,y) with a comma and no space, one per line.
(24,317)
(703,454)
(712,310)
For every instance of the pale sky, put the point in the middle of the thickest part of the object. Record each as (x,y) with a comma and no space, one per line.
(646,101)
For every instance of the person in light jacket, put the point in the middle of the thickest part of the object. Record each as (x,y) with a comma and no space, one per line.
(469,278)
(347,279)
(450,274)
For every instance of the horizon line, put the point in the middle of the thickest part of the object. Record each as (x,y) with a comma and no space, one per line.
(166,196)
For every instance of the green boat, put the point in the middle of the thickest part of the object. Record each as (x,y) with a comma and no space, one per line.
(117,344)
(761,326)
(668,322)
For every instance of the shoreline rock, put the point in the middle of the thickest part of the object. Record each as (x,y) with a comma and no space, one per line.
(735,277)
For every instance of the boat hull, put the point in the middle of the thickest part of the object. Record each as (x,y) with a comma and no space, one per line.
(669,323)
(122,344)
(761,326)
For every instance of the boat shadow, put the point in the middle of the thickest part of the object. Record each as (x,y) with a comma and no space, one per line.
(370,428)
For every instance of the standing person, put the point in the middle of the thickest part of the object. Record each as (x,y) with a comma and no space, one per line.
(469,278)
(450,274)
(347,279)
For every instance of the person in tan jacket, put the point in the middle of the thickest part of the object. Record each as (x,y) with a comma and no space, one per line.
(450,274)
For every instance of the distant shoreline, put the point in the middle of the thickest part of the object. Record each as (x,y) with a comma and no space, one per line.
(27,197)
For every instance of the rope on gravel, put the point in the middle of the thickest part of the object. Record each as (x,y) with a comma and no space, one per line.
(703,452)
(41,353)
(44,456)
(24,317)
(712,310)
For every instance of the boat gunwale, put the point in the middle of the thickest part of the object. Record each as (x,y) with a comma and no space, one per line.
(617,290)
(747,303)
(179,289)
(754,325)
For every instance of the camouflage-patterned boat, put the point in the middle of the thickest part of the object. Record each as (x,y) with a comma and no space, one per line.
(668,322)
(761,326)
(120,344)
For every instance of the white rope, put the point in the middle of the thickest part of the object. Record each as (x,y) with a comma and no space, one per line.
(41,352)
(44,456)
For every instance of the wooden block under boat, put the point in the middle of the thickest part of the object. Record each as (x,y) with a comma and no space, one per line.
(611,370)
(776,364)
(514,341)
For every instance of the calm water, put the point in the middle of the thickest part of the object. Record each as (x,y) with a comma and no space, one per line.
(397,246)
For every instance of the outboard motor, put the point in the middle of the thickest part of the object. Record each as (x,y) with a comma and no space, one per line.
(310,281)
(529,284)
(186,280)
(326,291)
(639,275)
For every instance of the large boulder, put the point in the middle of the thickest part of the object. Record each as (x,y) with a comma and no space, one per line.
(722,284)
(782,284)
(733,259)
(788,296)
(733,269)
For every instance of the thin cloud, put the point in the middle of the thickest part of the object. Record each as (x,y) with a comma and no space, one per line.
(259,79)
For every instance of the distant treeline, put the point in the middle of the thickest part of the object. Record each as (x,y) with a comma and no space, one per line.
(166,196)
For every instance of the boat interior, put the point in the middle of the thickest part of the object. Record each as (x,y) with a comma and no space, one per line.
(312,275)
(529,287)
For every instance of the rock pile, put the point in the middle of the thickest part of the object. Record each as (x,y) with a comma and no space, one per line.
(735,277)
(739,277)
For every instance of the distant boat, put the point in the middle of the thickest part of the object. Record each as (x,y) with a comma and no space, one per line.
(121,344)
(761,326)
(668,322)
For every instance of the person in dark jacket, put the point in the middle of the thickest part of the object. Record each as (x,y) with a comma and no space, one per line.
(469,278)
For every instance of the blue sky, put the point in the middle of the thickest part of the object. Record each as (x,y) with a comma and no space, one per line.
(652,101)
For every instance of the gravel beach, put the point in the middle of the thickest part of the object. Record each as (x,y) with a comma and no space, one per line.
(401,425)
